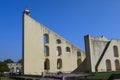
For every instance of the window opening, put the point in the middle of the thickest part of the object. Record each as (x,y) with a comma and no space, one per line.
(67,49)
(115,49)
(46,38)
(108,65)
(46,51)
(59,51)
(47,64)
(117,65)
(58,41)
(59,64)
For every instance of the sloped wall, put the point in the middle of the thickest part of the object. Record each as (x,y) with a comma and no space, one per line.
(41,47)
(100,54)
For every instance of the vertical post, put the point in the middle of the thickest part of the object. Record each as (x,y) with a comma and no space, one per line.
(63,78)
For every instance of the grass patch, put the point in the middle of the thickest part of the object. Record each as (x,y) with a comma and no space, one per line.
(6,78)
(102,76)
(20,78)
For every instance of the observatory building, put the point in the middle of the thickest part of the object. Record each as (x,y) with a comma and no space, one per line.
(46,52)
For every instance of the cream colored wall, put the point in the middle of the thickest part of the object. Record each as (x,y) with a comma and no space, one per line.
(96,46)
(33,52)
(110,55)
(32,47)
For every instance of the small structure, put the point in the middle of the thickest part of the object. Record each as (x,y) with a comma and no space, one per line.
(102,55)
(15,67)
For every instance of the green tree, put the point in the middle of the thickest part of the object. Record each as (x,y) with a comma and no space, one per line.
(3,68)
(8,61)
(19,61)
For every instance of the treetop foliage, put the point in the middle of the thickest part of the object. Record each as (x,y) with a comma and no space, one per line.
(8,61)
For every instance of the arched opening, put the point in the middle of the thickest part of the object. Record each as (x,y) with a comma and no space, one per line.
(47,64)
(58,41)
(115,49)
(78,62)
(117,65)
(46,51)
(108,65)
(12,69)
(78,54)
(17,69)
(46,38)
(67,49)
(59,51)
(59,64)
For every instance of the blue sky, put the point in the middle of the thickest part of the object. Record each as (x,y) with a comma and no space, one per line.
(71,19)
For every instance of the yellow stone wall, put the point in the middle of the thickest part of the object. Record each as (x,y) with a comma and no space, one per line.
(33,49)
